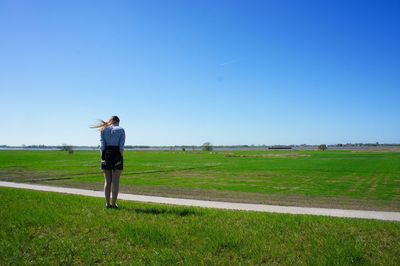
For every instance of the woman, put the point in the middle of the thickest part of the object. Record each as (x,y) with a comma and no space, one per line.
(112,147)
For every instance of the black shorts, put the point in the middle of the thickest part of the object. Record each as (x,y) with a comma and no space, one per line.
(111,159)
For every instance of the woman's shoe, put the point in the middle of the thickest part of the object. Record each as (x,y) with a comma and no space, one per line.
(114,206)
(108,206)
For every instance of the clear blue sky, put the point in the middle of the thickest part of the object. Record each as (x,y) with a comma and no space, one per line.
(187,72)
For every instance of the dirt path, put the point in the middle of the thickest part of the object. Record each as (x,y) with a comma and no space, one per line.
(362,214)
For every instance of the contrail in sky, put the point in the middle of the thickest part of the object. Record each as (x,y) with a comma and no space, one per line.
(228,62)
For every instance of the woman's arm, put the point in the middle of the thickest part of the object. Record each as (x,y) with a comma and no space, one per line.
(102,142)
(122,142)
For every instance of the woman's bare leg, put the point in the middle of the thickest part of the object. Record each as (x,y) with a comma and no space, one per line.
(107,185)
(115,185)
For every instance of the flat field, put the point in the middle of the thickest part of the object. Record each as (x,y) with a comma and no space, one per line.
(342,179)
(41,228)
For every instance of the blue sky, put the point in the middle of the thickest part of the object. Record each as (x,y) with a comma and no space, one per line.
(187,72)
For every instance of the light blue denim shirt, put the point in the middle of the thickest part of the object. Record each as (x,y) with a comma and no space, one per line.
(112,136)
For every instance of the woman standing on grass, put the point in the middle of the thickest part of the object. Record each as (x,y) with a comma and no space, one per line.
(112,162)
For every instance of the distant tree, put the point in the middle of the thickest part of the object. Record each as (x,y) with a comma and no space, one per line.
(322,147)
(67,148)
(207,146)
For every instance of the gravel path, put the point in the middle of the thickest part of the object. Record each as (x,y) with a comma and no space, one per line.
(377,215)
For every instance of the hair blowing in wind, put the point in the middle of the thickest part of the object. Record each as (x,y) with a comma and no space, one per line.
(104,124)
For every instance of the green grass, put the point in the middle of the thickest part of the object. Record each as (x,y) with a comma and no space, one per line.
(365,180)
(48,228)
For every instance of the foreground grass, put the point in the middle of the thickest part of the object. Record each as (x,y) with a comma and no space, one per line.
(48,228)
(343,179)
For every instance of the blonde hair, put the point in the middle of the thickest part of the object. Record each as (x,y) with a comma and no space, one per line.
(102,125)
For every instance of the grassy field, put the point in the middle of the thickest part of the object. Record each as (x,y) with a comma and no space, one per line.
(49,228)
(343,179)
